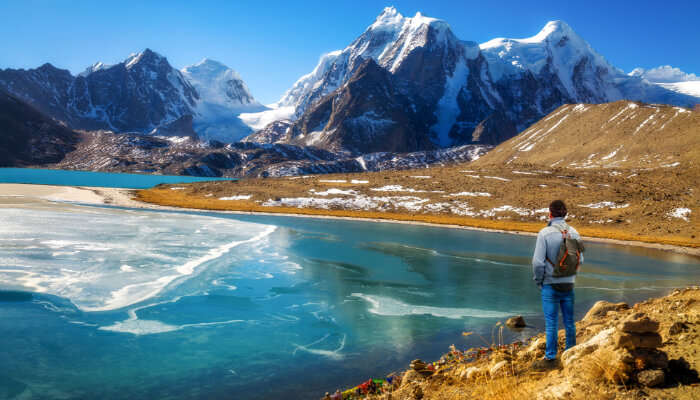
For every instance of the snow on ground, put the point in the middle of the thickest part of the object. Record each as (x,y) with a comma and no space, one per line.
(672,165)
(397,188)
(471,194)
(473,176)
(237,197)
(681,212)
(524,173)
(604,204)
(360,202)
(357,181)
(334,191)
(421,176)
(497,178)
(332,180)
(177,188)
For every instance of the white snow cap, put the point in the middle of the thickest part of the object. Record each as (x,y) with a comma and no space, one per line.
(664,74)
(148,54)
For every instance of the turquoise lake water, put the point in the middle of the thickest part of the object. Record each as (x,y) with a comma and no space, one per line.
(95,179)
(110,303)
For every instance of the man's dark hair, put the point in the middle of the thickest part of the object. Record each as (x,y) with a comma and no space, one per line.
(558,209)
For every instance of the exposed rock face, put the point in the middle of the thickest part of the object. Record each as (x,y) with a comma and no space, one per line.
(173,149)
(27,137)
(601,308)
(139,94)
(516,322)
(651,378)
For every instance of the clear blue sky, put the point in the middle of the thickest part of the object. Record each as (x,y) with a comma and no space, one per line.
(272,43)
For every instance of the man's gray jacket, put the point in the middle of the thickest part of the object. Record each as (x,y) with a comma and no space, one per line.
(547,246)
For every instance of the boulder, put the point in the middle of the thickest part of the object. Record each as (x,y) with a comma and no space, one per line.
(651,377)
(411,376)
(650,359)
(677,328)
(640,340)
(601,308)
(639,323)
(517,322)
(602,339)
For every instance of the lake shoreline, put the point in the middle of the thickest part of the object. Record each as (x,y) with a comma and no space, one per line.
(122,197)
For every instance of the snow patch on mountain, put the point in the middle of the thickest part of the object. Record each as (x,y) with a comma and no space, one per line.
(448,108)
(664,74)
(275,112)
(222,97)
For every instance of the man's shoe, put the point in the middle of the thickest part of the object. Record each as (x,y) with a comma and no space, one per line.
(545,364)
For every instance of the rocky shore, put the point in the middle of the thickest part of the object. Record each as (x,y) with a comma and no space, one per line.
(647,351)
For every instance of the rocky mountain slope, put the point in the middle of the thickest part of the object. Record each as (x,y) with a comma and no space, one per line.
(141,94)
(622,135)
(27,137)
(455,92)
(181,155)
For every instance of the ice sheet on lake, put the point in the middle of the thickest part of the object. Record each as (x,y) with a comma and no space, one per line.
(105,259)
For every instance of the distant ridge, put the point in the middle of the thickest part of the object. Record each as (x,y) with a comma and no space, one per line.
(622,134)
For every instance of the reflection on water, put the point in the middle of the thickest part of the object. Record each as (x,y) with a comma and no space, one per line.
(258,307)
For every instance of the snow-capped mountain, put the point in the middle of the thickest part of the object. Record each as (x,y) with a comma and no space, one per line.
(222,97)
(670,78)
(455,92)
(426,67)
(139,94)
(144,93)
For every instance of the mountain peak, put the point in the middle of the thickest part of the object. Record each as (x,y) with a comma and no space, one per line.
(146,56)
(208,69)
(389,18)
(553,31)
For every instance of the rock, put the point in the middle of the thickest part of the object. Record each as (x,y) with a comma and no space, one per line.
(677,328)
(651,377)
(418,365)
(602,339)
(539,344)
(601,308)
(421,367)
(500,368)
(563,390)
(650,359)
(639,323)
(641,340)
(411,376)
(516,322)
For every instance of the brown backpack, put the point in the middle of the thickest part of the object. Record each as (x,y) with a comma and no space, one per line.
(569,255)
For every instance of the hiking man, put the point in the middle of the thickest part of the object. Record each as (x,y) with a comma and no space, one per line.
(558,254)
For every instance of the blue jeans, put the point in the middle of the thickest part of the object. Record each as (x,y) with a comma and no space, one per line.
(552,300)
